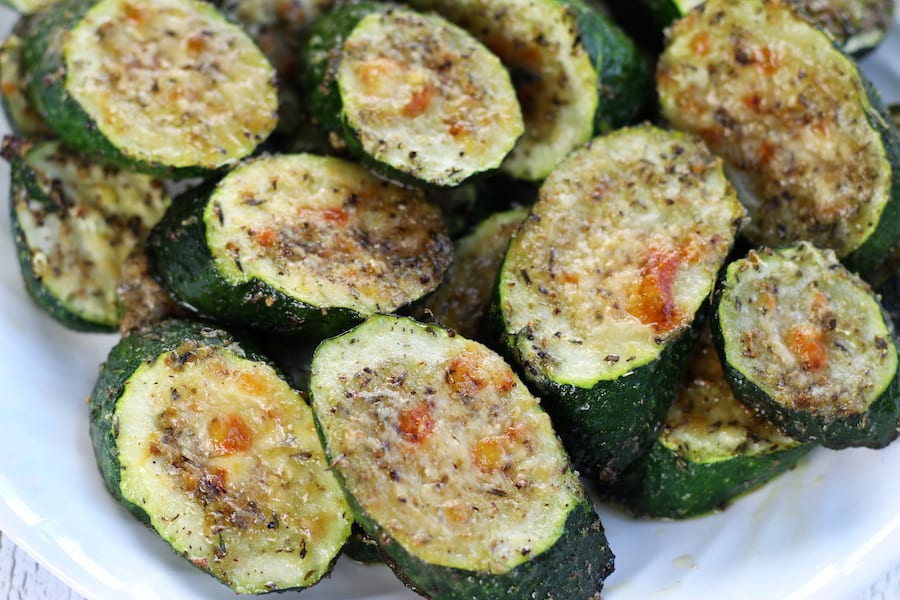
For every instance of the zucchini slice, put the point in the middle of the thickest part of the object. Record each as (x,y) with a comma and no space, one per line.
(168,87)
(75,223)
(204,442)
(23,119)
(806,343)
(465,294)
(802,132)
(575,72)
(415,96)
(140,300)
(599,288)
(712,448)
(299,244)
(28,6)
(450,464)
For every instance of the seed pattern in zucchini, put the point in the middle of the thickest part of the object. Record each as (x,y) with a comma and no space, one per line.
(806,342)
(712,448)
(453,467)
(802,132)
(465,294)
(300,244)
(575,72)
(23,119)
(415,96)
(599,288)
(168,87)
(75,223)
(207,444)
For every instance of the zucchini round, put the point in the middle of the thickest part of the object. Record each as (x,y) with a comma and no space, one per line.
(599,288)
(803,133)
(465,294)
(711,449)
(204,442)
(576,73)
(413,95)
(806,343)
(452,467)
(23,119)
(299,244)
(74,224)
(168,87)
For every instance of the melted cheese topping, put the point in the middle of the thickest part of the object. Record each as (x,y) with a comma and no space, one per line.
(465,293)
(326,232)
(707,424)
(98,216)
(556,82)
(619,252)
(788,112)
(426,98)
(806,331)
(224,457)
(442,445)
(171,82)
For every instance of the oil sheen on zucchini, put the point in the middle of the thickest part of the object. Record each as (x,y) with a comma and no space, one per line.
(575,72)
(465,294)
(599,288)
(74,224)
(803,134)
(712,448)
(299,244)
(806,343)
(856,26)
(164,86)
(203,441)
(415,96)
(451,465)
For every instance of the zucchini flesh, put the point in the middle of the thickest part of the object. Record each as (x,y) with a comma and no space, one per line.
(206,443)
(75,223)
(711,449)
(28,6)
(600,286)
(414,95)
(452,467)
(465,293)
(300,243)
(806,342)
(22,118)
(167,87)
(801,131)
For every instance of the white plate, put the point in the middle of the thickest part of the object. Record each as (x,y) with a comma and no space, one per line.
(826,530)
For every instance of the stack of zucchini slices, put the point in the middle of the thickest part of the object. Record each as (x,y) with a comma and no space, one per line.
(419,440)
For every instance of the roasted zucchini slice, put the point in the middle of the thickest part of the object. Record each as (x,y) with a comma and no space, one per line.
(451,465)
(856,26)
(712,448)
(205,442)
(599,288)
(802,132)
(806,343)
(23,119)
(299,244)
(575,72)
(465,294)
(413,95)
(75,223)
(168,87)
(28,6)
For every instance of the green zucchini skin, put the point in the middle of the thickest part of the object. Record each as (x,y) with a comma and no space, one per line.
(30,190)
(361,548)
(180,260)
(47,71)
(874,427)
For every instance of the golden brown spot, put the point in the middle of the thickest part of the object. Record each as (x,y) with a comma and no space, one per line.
(807,342)
(416,422)
(230,434)
(492,453)
(419,102)
(700,43)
